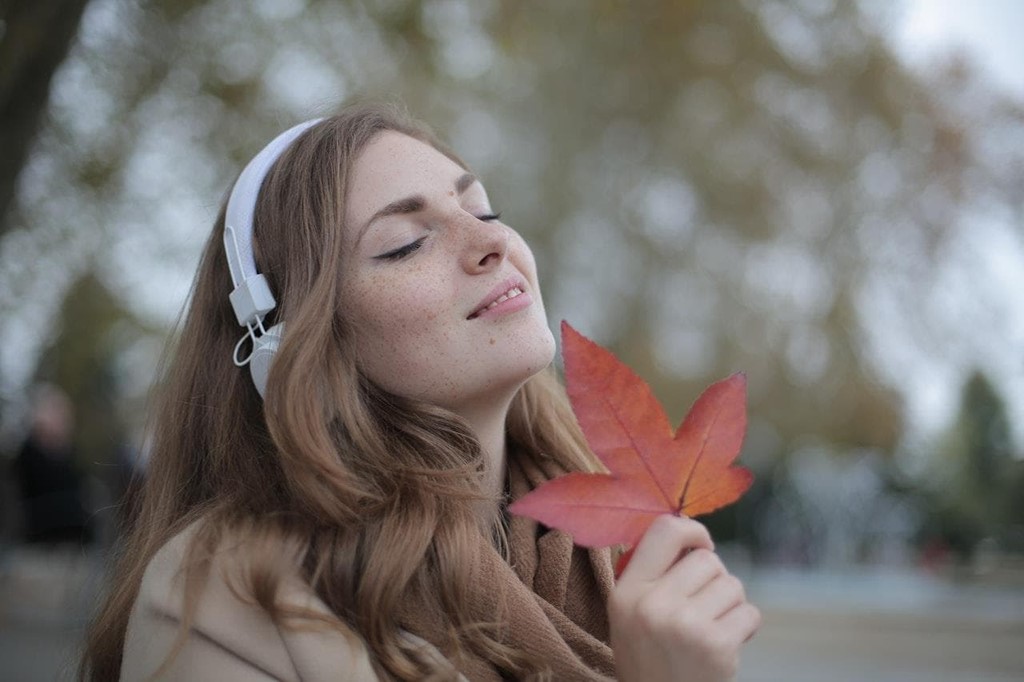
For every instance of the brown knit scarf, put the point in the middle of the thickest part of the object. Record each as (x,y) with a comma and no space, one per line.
(554,595)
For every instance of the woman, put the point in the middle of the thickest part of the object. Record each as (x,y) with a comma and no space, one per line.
(350,523)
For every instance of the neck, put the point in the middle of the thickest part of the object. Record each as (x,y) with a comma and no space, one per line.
(488,423)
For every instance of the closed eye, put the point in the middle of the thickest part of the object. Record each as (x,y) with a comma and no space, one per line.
(402,251)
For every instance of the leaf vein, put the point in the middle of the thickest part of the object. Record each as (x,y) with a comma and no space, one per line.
(636,449)
(700,454)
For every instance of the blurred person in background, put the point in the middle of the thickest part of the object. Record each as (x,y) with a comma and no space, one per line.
(49,482)
(340,513)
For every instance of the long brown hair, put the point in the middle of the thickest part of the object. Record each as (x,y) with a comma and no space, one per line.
(377,496)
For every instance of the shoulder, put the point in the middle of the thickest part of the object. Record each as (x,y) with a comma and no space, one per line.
(230,636)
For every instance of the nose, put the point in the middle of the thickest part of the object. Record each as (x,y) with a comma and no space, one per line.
(486,245)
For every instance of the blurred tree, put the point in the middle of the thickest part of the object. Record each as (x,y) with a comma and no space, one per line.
(707,186)
(83,358)
(722,169)
(976,483)
(1013,508)
(986,428)
(35,36)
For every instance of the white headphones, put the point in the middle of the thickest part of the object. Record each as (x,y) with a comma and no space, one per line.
(251,298)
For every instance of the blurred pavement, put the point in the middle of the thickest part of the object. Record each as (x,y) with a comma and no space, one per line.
(832,627)
(881,625)
(44,598)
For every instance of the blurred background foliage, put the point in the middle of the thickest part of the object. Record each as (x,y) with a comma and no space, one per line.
(708,187)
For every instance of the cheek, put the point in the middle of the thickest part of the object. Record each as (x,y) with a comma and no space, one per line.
(400,323)
(393,304)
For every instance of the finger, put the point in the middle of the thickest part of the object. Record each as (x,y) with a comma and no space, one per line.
(692,572)
(662,545)
(741,623)
(720,596)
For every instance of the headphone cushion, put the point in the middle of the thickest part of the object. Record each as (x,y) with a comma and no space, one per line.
(263,351)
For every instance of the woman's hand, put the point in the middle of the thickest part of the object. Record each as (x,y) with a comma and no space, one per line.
(676,613)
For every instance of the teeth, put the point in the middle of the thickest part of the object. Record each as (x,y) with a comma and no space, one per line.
(511,293)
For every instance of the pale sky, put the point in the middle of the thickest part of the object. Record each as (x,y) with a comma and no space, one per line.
(989,30)
(991,33)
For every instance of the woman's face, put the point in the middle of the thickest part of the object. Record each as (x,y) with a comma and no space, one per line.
(442,295)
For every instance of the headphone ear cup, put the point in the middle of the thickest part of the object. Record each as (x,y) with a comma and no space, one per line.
(262,354)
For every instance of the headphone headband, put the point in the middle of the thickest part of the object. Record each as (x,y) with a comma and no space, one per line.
(251,297)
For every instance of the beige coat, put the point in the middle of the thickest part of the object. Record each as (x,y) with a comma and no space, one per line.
(230,639)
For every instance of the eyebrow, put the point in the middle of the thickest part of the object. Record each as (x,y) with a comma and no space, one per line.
(412,204)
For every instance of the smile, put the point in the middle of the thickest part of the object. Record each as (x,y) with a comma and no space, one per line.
(512,293)
(512,288)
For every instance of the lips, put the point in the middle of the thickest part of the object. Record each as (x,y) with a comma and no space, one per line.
(509,288)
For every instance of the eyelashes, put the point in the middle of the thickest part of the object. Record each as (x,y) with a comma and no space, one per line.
(410,248)
(402,251)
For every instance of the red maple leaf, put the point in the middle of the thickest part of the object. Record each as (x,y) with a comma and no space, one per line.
(651,470)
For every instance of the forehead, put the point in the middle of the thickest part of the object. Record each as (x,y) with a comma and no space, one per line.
(394,166)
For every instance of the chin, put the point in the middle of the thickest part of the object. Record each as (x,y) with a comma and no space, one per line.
(548,352)
(538,348)
(531,355)
(539,358)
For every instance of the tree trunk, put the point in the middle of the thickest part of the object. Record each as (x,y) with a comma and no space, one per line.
(35,36)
